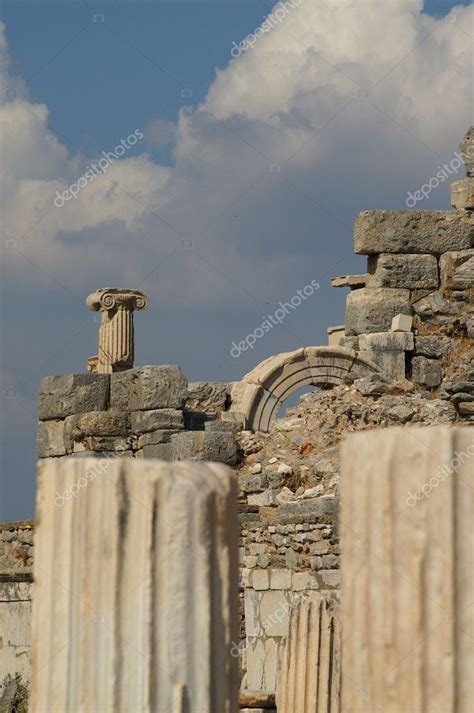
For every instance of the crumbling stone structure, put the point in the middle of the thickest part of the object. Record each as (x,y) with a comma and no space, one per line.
(404,356)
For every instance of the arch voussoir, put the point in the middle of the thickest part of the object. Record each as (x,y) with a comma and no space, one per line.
(261,391)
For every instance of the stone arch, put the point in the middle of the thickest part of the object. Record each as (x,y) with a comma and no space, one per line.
(261,392)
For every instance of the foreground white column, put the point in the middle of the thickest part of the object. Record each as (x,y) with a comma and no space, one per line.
(135,598)
(408,571)
(309,668)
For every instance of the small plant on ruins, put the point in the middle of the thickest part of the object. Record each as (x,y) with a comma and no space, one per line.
(15,694)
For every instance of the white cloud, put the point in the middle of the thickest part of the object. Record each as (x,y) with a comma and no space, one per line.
(344,106)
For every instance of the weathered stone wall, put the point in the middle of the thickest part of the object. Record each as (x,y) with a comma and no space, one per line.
(147,412)
(285,549)
(420,266)
(16,561)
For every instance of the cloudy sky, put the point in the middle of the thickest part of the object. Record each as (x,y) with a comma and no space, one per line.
(250,166)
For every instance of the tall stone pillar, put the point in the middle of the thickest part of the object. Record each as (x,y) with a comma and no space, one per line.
(309,672)
(116,335)
(407,544)
(135,599)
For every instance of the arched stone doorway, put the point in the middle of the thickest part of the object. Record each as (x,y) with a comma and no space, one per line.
(260,393)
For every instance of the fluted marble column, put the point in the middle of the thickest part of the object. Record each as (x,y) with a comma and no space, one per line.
(309,673)
(407,545)
(116,335)
(135,599)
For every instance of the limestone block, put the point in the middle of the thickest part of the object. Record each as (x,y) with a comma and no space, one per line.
(50,439)
(61,396)
(15,638)
(335,334)
(254,700)
(427,372)
(462,194)
(407,548)
(148,387)
(385,231)
(156,437)
(412,272)
(262,662)
(135,603)
(280,579)
(161,451)
(309,668)
(355,282)
(372,309)
(308,510)
(110,444)
(467,151)
(457,270)
(215,447)
(432,345)
(157,419)
(98,423)
(387,341)
(402,323)
(207,396)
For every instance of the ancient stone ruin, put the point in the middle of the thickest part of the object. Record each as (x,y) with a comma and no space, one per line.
(354,609)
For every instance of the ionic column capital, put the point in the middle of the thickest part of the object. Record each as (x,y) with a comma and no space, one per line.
(109,298)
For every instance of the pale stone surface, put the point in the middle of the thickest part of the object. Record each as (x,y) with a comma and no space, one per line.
(404,271)
(402,323)
(207,396)
(147,388)
(61,396)
(372,309)
(385,231)
(156,419)
(427,372)
(432,345)
(457,270)
(462,194)
(50,439)
(335,334)
(467,151)
(353,281)
(15,630)
(215,447)
(309,673)
(116,338)
(407,548)
(256,699)
(387,341)
(388,351)
(261,391)
(135,604)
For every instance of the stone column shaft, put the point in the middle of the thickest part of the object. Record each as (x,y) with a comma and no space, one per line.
(116,333)
(135,600)
(407,548)
(308,678)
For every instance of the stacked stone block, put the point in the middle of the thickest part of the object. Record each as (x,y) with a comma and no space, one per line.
(143,413)
(420,265)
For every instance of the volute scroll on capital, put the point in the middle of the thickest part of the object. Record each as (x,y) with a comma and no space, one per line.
(109,298)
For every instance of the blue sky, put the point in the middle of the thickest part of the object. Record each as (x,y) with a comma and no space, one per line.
(255,234)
